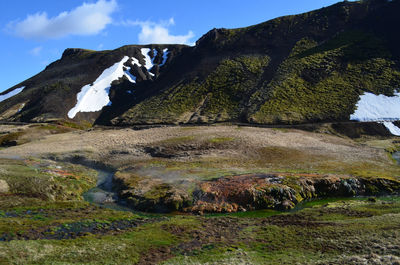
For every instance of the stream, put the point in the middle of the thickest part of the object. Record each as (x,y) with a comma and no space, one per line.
(396,156)
(103,194)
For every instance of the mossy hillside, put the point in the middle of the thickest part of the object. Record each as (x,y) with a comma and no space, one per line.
(316,82)
(221,93)
(325,82)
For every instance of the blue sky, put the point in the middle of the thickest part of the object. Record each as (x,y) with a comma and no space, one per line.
(35,33)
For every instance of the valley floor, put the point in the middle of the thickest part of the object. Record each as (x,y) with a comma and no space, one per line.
(221,195)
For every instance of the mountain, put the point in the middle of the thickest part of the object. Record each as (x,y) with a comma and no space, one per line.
(310,67)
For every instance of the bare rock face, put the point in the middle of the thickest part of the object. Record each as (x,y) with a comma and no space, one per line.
(4,187)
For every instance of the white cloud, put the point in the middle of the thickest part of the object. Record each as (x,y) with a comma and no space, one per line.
(87,19)
(36,51)
(158,33)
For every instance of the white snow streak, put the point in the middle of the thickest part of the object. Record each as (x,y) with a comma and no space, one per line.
(95,97)
(148,60)
(11,93)
(136,61)
(130,76)
(392,128)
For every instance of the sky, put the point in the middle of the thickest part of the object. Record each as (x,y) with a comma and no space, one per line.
(35,33)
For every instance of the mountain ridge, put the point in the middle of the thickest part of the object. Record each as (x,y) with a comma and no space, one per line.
(309,67)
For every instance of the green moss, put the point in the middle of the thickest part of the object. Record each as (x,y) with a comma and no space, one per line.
(80,125)
(33,182)
(302,46)
(157,191)
(221,139)
(90,249)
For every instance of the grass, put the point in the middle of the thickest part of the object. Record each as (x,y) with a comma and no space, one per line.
(89,249)
(249,214)
(221,139)
(35,181)
(81,125)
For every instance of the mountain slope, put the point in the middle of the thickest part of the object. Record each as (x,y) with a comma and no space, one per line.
(52,93)
(304,68)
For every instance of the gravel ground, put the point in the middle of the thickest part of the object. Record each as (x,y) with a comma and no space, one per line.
(126,143)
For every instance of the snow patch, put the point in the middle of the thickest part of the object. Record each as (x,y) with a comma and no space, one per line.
(21,107)
(11,93)
(148,60)
(373,107)
(379,108)
(136,61)
(165,56)
(93,97)
(392,128)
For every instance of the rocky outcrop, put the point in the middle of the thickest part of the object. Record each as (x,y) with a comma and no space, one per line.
(282,191)
(247,192)
(150,195)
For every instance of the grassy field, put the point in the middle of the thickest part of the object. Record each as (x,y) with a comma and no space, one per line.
(332,231)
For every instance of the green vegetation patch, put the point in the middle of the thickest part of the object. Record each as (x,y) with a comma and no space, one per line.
(35,181)
(221,139)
